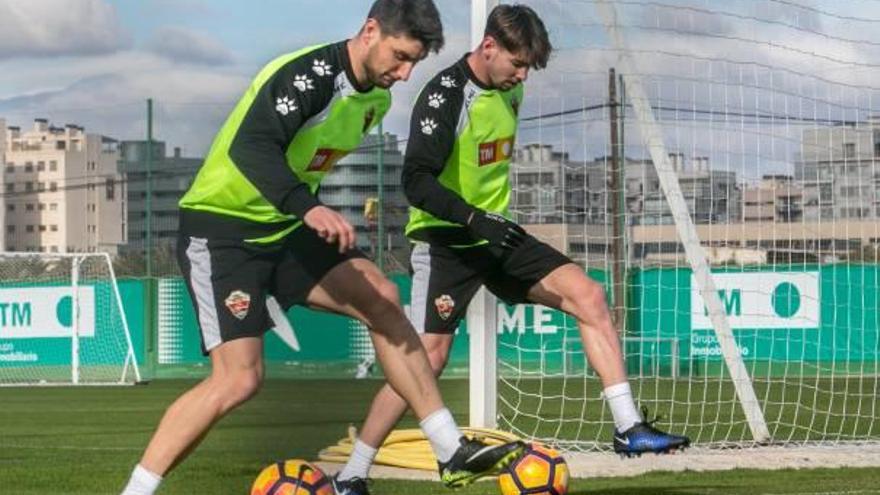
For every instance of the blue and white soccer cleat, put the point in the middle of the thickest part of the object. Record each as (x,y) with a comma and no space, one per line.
(643,438)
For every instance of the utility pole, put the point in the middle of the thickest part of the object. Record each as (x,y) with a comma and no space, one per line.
(148,221)
(381,205)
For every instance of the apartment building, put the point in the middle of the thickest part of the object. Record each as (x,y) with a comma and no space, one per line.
(170,177)
(839,169)
(549,187)
(352,189)
(62,190)
(777,198)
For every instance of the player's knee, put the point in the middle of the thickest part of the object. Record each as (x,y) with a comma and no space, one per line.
(590,297)
(385,303)
(243,385)
(388,292)
(438,357)
(595,294)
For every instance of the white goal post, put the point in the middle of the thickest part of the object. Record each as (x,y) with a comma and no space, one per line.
(62,321)
(481,317)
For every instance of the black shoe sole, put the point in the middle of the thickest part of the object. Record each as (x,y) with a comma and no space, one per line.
(497,469)
(667,450)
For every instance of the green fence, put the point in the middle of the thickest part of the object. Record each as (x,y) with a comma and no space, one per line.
(804,321)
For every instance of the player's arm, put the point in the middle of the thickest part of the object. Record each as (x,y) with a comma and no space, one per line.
(258,148)
(431,141)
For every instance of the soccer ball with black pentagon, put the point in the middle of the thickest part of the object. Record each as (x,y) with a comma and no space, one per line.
(292,477)
(539,471)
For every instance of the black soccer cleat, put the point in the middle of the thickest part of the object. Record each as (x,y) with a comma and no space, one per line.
(353,486)
(643,438)
(474,460)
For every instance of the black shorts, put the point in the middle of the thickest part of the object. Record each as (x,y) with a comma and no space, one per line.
(445,279)
(229,280)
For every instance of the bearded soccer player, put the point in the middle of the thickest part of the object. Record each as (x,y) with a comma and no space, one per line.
(456,176)
(253,226)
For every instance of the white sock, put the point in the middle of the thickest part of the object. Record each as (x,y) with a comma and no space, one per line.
(359,462)
(623,408)
(142,482)
(443,433)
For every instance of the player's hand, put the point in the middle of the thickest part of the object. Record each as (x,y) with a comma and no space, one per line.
(496,229)
(331,226)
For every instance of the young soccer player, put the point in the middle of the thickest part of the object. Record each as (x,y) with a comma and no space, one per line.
(252,225)
(462,132)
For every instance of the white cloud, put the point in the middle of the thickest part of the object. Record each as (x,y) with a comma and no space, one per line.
(183,45)
(190,102)
(689,59)
(201,8)
(699,67)
(59,27)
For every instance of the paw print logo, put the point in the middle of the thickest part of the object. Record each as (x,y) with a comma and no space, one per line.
(284,105)
(435,100)
(448,82)
(303,83)
(321,68)
(428,126)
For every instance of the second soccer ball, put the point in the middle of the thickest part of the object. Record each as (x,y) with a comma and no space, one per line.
(292,477)
(540,470)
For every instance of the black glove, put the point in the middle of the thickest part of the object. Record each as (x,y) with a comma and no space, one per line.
(496,229)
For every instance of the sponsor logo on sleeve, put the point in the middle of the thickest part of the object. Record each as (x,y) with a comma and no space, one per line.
(324,160)
(496,151)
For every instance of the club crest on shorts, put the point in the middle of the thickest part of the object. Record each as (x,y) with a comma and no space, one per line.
(238,303)
(445,304)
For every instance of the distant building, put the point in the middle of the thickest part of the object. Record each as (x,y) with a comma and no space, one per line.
(354,183)
(539,186)
(778,198)
(3,132)
(567,204)
(171,176)
(550,188)
(712,196)
(62,190)
(838,170)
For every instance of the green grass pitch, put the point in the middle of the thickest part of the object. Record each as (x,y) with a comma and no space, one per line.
(86,440)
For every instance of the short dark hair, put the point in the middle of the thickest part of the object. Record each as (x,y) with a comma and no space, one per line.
(418,19)
(519,30)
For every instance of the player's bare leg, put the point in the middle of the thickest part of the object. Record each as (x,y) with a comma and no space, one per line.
(236,376)
(569,289)
(357,288)
(387,409)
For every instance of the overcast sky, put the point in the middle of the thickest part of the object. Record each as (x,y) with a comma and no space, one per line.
(94,62)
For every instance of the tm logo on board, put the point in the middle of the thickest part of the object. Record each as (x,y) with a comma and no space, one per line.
(762,300)
(45,312)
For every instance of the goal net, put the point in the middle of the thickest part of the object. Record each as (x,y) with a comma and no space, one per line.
(723,183)
(62,322)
